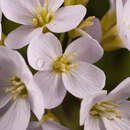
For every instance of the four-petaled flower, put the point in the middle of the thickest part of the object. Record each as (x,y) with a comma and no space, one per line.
(19,93)
(71,70)
(100,111)
(36,16)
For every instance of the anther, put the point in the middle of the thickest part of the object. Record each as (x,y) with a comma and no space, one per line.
(17,88)
(43,15)
(63,64)
(106,109)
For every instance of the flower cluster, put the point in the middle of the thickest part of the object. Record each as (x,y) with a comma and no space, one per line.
(62,46)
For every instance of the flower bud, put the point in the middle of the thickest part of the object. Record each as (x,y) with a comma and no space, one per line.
(75,2)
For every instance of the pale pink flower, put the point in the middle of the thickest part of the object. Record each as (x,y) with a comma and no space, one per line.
(71,70)
(36,15)
(100,111)
(19,93)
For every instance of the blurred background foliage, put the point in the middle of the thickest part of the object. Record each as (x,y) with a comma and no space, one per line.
(116,66)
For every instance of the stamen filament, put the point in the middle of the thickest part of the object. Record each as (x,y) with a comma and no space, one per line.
(43,15)
(17,89)
(107,109)
(63,64)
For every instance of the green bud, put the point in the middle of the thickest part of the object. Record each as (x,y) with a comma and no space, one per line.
(75,2)
(111,40)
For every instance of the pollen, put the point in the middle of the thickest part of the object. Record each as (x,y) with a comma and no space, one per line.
(17,89)
(43,15)
(106,109)
(63,64)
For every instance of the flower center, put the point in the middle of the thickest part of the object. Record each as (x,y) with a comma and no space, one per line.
(43,15)
(106,109)
(63,64)
(17,89)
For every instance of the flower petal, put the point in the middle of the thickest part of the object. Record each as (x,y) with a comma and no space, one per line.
(34,126)
(5,108)
(86,48)
(13,64)
(17,117)
(84,79)
(94,124)
(4,98)
(51,125)
(67,18)
(124,25)
(19,11)
(55,4)
(43,49)
(88,103)
(95,30)
(124,108)
(21,36)
(48,125)
(116,124)
(9,60)
(36,99)
(121,92)
(119,11)
(112,3)
(8,68)
(52,88)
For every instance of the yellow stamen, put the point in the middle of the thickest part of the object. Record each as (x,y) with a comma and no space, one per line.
(43,15)
(63,64)
(107,109)
(17,89)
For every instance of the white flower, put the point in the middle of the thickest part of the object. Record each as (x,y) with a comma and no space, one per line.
(18,92)
(48,125)
(36,15)
(123,22)
(72,70)
(93,30)
(100,111)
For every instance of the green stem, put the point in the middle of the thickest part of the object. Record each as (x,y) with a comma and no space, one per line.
(62,36)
